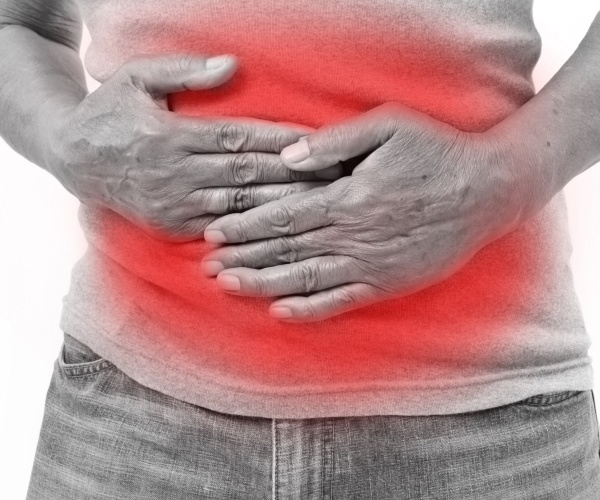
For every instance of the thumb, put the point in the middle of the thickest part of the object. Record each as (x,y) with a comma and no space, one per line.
(334,143)
(163,75)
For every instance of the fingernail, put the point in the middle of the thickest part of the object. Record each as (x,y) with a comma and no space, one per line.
(229,282)
(217,62)
(214,236)
(329,173)
(280,312)
(296,152)
(212,267)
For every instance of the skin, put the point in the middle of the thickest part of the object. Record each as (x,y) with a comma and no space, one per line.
(367,237)
(120,147)
(425,200)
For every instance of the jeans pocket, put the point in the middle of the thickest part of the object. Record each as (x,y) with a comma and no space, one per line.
(77,360)
(549,398)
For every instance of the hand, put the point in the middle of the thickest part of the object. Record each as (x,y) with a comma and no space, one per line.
(121,148)
(425,200)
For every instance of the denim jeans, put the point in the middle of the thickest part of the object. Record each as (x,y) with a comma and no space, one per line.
(104,436)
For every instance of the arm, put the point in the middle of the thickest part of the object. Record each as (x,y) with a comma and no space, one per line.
(417,208)
(556,135)
(120,147)
(41,74)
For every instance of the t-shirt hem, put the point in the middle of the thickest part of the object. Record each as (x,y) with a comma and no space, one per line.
(463,396)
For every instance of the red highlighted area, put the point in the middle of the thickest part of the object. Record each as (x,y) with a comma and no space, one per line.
(315,68)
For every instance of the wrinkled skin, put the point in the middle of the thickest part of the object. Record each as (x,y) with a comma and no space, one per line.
(421,204)
(171,175)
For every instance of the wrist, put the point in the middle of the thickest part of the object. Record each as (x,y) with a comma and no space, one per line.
(523,170)
(503,178)
(52,126)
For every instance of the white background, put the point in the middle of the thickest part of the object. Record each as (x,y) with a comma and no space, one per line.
(40,240)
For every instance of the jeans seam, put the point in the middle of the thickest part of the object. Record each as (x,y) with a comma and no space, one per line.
(86,371)
(80,370)
(323,453)
(327,459)
(274,475)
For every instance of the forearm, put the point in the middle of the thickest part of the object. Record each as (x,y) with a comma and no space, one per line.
(39,79)
(556,135)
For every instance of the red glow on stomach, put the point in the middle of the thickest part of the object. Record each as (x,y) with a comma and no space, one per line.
(453,325)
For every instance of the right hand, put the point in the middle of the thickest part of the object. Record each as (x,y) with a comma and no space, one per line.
(169,174)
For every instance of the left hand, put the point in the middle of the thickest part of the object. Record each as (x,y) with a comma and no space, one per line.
(412,213)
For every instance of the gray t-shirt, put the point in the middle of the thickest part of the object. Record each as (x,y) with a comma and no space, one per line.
(505,327)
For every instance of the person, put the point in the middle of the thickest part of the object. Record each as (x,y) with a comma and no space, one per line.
(327,250)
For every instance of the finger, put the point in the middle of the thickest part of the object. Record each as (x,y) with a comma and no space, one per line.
(232,135)
(222,170)
(242,198)
(325,304)
(187,230)
(333,143)
(163,75)
(307,276)
(303,129)
(267,253)
(193,229)
(292,215)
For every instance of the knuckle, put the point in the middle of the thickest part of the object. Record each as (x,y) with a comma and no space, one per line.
(284,250)
(308,276)
(342,299)
(244,169)
(232,138)
(241,199)
(156,211)
(281,220)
